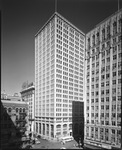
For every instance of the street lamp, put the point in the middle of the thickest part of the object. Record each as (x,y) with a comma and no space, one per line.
(30,134)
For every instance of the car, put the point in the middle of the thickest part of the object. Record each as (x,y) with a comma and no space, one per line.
(28,147)
(62,148)
(35,139)
(39,136)
(37,142)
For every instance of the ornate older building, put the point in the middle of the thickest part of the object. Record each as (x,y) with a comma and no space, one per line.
(28,96)
(103,83)
(13,121)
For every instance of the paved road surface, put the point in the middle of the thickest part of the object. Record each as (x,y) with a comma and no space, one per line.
(45,144)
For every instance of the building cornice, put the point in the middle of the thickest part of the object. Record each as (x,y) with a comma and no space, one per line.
(58,15)
(27,89)
(102,22)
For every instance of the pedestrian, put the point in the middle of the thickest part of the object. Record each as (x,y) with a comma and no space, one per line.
(63,142)
(80,144)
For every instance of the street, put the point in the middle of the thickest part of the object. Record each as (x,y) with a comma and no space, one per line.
(45,144)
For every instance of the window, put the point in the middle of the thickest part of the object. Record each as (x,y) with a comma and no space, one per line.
(119,64)
(102,92)
(93,65)
(102,99)
(97,57)
(23,109)
(114,57)
(102,69)
(97,79)
(107,91)
(16,109)
(102,77)
(120,55)
(107,76)
(92,86)
(97,71)
(97,85)
(20,110)
(119,72)
(9,109)
(107,68)
(102,106)
(93,72)
(103,34)
(108,59)
(107,83)
(114,90)
(103,46)
(97,93)
(107,107)
(119,81)
(96,100)
(103,54)
(114,49)
(103,61)
(119,98)
(92,79)
(93,51)
(108,52)
(113,98)
(92,93)
(97,64)
(92,100)
(114,82)
(114,74)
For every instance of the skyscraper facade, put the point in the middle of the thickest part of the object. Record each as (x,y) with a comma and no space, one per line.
(59,73)
(103,74)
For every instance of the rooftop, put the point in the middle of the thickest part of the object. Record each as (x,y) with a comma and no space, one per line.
(57,14)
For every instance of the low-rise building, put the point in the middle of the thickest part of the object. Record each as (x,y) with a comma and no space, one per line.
(13,120)
(28,95)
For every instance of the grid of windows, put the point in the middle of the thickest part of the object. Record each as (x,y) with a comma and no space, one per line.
(59,64)
(104,70)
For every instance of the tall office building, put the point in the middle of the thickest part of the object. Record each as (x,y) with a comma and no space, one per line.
(103,83)
(59,68)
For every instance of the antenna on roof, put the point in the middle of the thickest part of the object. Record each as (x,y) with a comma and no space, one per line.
(118,5)
(55,5)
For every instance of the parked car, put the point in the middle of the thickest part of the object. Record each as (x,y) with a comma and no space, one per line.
(39,136)
(37,142)
(62,148)
(36,139)
(28,147)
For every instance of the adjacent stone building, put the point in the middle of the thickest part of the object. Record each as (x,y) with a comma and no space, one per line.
(28,96)
(104,84)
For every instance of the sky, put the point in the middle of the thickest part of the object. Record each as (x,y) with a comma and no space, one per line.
(21,19)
